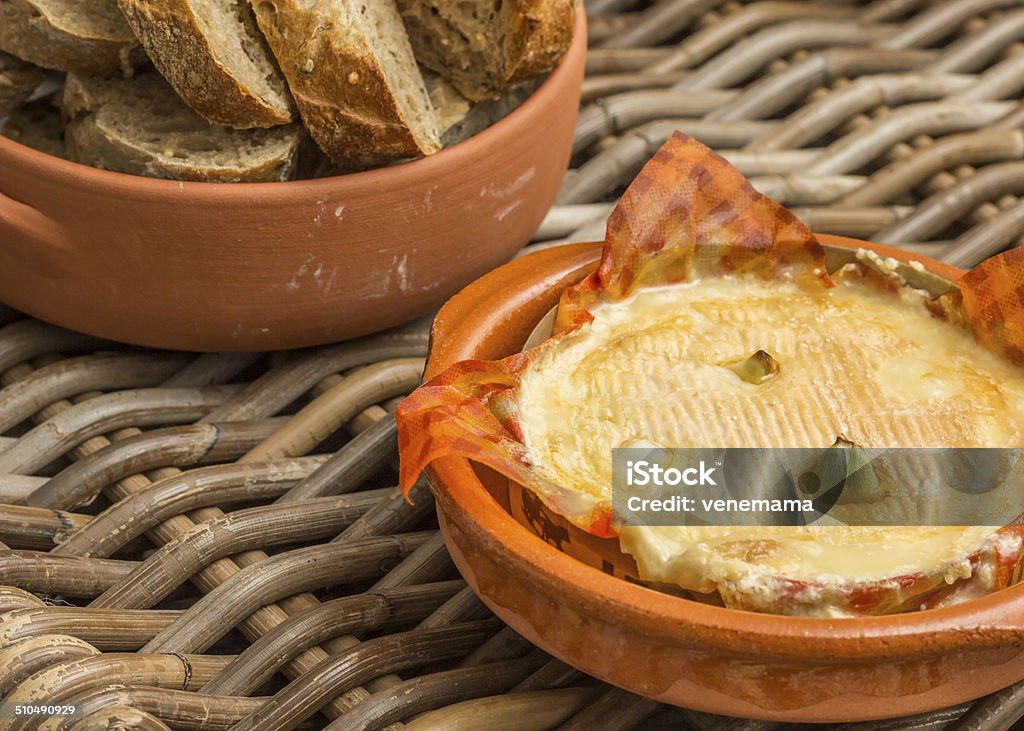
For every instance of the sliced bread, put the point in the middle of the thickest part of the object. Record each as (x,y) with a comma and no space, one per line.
(452,109)
(355,81)
(451,106)
(18,79)
(214,56)
(37,125)
(484,47)
(84,36)
(140,126)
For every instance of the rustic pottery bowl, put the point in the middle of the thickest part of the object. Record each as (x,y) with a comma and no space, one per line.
(679,651)
(206,266)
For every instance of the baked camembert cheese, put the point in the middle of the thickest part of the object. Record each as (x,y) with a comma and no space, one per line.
(870,363)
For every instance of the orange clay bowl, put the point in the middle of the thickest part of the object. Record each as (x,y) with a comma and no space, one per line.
(676,650)
(207,266)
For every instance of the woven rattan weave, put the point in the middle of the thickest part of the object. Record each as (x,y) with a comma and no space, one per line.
(214,541)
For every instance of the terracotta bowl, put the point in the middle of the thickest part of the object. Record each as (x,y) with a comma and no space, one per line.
(205,266)
(675,650)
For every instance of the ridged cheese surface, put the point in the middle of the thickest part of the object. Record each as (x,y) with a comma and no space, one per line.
(871,365)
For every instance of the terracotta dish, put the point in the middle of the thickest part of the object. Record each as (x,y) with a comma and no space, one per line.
(676,650)
(203,266)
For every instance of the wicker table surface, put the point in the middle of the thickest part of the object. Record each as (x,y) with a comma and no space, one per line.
(214,541)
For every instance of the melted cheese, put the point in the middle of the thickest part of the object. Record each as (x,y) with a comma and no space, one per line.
(703,558)
(873,366)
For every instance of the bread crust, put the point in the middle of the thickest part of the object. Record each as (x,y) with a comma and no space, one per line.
(26,32)
(175,41)
(532,36)
(340,90)
(541,35)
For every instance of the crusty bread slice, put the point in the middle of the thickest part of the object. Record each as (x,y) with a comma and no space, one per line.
(355,81)
(84,36)
(140,126)
(451,106)
(459,119)
(37,125)
(214,56)
(18,79)
(484,47)
(452,111)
